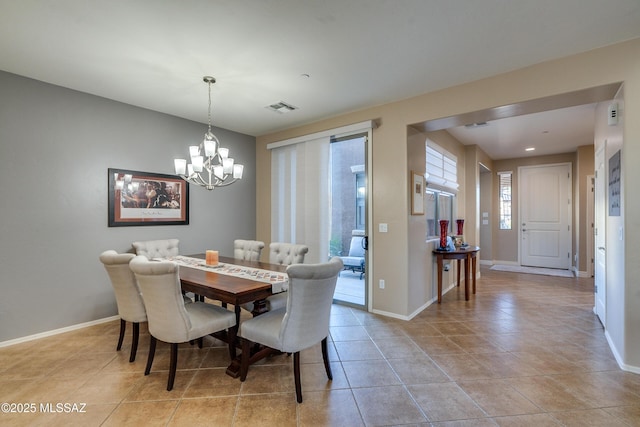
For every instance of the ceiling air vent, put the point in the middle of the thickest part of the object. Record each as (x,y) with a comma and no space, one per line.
(476,125)
(281,107)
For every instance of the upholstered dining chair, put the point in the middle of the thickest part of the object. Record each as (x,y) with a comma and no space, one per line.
(284,254)
(128,298)
(247,250)
(157,248)
(301,324)
(170,319)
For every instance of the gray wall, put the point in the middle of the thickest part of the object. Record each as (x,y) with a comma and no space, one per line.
(55,148)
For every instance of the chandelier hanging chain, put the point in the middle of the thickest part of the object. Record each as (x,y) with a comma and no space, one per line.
(209,81)
(221,170)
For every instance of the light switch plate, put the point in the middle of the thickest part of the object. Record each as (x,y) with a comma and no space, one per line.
(382,227)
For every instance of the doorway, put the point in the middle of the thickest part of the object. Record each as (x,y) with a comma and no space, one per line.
(348,210)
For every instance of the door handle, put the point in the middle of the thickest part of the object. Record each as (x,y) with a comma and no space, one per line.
(601,248)
(365,243)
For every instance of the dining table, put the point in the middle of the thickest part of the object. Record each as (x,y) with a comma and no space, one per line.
(230,285)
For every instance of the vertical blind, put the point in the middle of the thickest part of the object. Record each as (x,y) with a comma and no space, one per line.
(299,196)
(300,189)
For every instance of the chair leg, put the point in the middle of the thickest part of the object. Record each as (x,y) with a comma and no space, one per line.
(296,375)
(123,326)
(232,336)
(173,365)
(152,352)
(244,359)
(325,357)
(134,341)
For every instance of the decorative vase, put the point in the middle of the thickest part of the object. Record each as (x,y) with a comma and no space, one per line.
(444,226)
(460,223)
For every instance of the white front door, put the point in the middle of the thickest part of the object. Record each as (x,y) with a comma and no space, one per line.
(600,236)
(545,215)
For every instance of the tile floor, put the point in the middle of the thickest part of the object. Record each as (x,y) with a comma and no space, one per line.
(525,351)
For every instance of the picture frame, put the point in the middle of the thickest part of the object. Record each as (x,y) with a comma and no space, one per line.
(417,194)
(145,198)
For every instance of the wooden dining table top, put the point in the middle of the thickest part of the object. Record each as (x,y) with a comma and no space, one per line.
(223,287)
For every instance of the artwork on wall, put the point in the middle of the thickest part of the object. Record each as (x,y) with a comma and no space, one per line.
(146,198)
(614,184)
(417,194)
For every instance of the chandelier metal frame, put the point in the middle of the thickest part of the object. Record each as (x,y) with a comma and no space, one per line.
(210,165)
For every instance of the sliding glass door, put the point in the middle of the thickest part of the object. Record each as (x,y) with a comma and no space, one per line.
(348,212)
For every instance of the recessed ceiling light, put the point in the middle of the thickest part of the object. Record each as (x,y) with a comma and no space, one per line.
(529,149)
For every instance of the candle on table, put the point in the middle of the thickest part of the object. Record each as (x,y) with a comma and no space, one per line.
(212,258)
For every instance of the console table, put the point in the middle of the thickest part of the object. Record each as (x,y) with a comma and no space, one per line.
(466,253)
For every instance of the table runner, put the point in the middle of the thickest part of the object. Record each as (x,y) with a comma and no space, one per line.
(279,281)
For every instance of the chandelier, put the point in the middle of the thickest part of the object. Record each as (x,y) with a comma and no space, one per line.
(210,165)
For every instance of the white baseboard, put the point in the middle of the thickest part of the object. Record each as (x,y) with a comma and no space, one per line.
(57,331)
(616,354)
(418,310)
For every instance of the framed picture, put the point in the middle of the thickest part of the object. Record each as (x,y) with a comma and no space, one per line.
(146,198)
(417,194)
(614,184)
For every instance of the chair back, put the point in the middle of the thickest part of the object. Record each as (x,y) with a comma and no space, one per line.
(130,305)
(287,253)
(157,248)
(247,250)
(159,282)
(356,249)
(310,295)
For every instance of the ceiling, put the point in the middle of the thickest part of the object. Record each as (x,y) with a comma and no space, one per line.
(325,58)
(547,132)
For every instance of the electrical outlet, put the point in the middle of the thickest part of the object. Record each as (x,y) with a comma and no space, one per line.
(381,283)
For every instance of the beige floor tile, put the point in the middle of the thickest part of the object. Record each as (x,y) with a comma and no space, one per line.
(212,383)
(434,345)
(498,398)
(462,366)
(142,413)
(329,408)
(357,350)
(391,405)
(589,418)
(210,411)
(628,414)
(348,333)
(445,402)
(418,370)
(267,410)
(399,347)
(547,394)
(268,379)
(314,377)
(534,420)
(370,373)
(106,388)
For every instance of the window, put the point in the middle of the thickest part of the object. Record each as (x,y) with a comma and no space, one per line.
(505,200)
(442,185)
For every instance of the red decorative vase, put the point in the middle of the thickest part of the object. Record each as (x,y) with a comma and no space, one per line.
(444,226)
(460,223)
